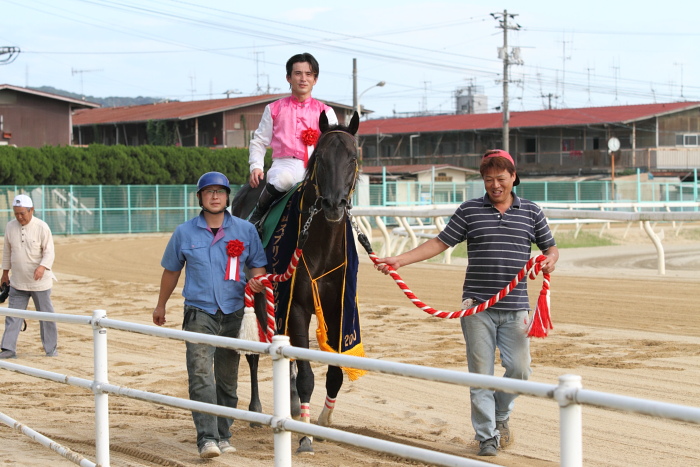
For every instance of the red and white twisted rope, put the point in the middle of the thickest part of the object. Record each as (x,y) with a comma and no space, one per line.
(541,321)
(267,280)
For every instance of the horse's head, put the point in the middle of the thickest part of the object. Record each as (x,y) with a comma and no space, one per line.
(333,166)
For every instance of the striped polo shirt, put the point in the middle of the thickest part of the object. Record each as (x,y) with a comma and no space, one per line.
(498,246)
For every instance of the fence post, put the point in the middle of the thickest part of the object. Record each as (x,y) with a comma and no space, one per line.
(184,202)
(570,424)
(281,409)
(101,201)
(128,205)
(71,212)
(101,399)
(639,185)
(157,209)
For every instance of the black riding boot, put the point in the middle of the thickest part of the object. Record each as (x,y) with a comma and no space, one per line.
(267,197)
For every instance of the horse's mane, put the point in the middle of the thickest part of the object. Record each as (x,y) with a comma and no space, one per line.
(322,143)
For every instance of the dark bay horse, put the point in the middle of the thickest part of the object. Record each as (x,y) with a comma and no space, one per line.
(325,275)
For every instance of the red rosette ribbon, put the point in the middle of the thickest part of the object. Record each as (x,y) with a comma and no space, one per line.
(309,137)
(234,249)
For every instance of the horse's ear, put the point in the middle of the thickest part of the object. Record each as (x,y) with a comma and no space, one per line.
(323,121)
(354,123)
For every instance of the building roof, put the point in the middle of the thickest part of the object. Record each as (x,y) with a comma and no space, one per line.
(624,114)
(173,110)
(70,100)
(411,169)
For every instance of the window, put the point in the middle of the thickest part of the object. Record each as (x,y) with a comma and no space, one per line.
(687,139)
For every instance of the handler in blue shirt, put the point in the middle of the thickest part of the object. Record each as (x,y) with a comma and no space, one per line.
(213,248)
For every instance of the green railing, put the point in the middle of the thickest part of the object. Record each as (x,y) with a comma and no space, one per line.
(107,209)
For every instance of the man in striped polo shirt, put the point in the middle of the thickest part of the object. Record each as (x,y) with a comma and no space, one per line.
(499,229)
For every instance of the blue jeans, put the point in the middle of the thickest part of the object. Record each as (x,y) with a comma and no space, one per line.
(212,371)
(483,332)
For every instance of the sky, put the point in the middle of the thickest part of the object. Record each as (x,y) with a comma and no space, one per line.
(574,54)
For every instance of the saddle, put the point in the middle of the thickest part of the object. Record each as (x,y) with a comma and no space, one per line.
(273,215)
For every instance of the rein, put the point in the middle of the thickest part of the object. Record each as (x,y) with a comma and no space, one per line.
(541,322)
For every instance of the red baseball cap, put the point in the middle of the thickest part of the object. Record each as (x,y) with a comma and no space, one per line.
(505,155)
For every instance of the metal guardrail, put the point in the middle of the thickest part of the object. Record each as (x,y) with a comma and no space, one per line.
(568,394)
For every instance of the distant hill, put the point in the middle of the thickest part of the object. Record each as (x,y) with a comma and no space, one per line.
(103,101)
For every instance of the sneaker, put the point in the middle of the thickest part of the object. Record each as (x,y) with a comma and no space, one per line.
(488,447)
(209,450)
(53,353)
(8,354)
(225,447)
(506,435)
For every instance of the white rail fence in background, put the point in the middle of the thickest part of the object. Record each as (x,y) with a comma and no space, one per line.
(411,227)
(568,394)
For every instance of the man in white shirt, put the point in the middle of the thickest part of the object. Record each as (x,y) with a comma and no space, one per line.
(28,251)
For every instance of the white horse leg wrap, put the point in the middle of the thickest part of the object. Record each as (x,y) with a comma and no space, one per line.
(325,418)
(306,415)
(305,412)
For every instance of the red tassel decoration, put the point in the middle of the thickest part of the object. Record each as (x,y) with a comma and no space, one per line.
(541,322)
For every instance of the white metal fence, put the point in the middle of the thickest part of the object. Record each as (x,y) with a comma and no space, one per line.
(568,394)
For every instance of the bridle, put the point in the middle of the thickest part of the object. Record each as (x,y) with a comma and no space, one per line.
(313,179)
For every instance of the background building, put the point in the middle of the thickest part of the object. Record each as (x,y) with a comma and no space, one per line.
(34,118)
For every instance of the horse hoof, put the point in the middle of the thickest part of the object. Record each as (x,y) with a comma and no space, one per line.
(325,418)
(305,446)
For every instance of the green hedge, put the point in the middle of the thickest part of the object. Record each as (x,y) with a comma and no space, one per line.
(119,165)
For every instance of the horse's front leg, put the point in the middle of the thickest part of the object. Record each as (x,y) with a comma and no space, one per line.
(255,405)
(305,387)
(294,402)
(334,381)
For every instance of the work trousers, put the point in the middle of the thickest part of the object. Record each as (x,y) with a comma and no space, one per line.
(19,299)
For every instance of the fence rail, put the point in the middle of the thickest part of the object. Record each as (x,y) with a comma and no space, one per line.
(568,394)
(411,225)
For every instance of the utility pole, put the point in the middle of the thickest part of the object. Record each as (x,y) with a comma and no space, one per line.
(549,97)
(564,58)
(616,71)
(354,87)
(258,88)
(504,54)
(590,103)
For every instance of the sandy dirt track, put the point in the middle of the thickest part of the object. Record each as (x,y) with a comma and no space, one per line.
(618,324)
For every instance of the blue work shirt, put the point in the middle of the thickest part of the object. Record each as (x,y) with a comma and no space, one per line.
(204,257)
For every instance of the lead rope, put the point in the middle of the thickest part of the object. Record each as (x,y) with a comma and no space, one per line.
(541,322)
(250,327)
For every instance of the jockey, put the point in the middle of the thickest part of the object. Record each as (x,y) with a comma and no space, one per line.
(290,127)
